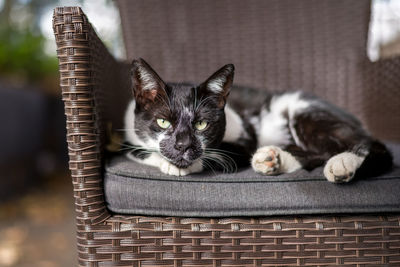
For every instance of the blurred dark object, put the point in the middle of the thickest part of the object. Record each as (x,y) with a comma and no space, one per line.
(316,45)
(32,137)
(23,118)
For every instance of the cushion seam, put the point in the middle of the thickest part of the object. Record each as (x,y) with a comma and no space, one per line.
(303,179)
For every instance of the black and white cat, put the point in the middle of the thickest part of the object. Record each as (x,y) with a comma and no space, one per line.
(182,129)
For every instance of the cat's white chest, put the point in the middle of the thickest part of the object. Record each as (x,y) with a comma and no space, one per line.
(275,122)
(273,130)
(234,125)
(130,134)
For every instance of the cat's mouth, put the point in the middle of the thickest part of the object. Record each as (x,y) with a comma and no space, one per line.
(182,163)
(183,160)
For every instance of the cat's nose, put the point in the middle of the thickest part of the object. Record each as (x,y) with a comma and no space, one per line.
(183,143)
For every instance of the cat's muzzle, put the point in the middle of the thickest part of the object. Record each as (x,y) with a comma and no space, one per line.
(182,163)
(184,160)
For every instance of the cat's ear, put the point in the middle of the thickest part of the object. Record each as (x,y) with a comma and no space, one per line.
(220,83)
(147,85)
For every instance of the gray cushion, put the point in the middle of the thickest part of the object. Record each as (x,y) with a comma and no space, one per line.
(132,188)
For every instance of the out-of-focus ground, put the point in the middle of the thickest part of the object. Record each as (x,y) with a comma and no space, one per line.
(38,227)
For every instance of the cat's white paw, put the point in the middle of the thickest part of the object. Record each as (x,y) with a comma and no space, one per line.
(272,160)
(170,169)
(266,160)
(342,167)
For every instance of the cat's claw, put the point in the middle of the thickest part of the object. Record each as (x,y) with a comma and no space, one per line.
(266,160)
(170,169)
(342,167)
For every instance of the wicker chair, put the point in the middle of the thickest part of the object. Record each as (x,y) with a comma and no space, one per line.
(311,44)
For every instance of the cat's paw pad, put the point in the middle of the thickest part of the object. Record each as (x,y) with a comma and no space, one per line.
(342,167)
(266,160)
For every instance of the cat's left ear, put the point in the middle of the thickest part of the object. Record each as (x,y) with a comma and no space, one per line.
(220,83)
(147,85)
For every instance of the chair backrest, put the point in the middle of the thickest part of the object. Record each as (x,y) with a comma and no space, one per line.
(314,45)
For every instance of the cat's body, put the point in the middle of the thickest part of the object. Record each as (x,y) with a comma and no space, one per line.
(182,129)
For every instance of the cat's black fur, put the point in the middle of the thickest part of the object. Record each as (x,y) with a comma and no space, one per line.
(182,105)
(323,130)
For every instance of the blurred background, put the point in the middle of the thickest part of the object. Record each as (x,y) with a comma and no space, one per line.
(36,204)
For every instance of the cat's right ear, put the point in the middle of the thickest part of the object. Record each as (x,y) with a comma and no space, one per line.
(147,85)
(219,84)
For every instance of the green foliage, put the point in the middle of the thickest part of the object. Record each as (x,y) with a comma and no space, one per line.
(21,55)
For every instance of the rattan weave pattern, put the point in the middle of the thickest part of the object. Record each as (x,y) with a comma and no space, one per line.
(83,136)
(280,241)
(94,87)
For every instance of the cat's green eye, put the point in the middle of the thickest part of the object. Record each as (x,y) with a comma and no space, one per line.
(200,125)
(163,123)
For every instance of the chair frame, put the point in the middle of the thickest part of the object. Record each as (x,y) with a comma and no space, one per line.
(106,239)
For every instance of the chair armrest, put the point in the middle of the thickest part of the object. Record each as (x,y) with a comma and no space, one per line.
(382,98)
(92,82)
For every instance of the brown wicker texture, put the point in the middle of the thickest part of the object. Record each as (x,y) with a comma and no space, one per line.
(95,89)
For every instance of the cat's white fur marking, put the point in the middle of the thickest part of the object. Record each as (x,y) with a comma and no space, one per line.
(153,160)
(156,160)
(216,85)
(154,143)
(234,125)
(169,168)
(255,121)
(129,120)
(130,134)
(147,79)
(295,136)
(273,160)
(272,129)
(342,167)
(187,111)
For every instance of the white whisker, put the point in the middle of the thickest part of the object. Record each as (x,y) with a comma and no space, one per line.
(203,101)
(208,165)
(223,160)
(124,130)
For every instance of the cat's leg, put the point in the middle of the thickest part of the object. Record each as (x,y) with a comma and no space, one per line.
(155,160)
(342,167)
(337,138)
(367,158)
(272,160)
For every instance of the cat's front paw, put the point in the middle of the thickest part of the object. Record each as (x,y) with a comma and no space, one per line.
(170,169)
(342,167)
(266,160)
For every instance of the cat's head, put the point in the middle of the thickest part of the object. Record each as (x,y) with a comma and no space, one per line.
(180,121)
